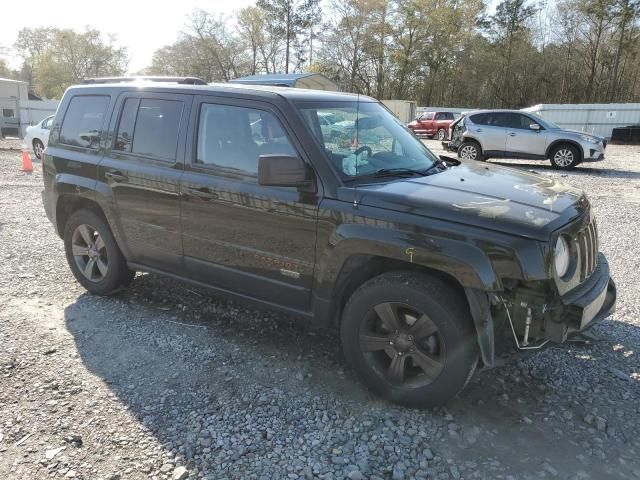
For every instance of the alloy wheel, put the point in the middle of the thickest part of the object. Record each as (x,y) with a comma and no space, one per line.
(441,134)
(468,152)
(89,252)
(563,157)
(403,345)
(38,148)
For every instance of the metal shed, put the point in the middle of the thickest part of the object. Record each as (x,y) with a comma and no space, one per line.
(405,110)
(314,81)
(595,118)
(19,109)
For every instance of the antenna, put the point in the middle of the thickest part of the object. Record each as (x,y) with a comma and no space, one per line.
(356,142)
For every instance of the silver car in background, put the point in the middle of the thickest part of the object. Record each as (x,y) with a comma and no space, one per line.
(484,134)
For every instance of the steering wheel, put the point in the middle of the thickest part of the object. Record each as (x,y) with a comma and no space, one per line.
(362,149)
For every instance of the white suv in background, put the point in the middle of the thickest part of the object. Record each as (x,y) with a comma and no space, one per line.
(487,134)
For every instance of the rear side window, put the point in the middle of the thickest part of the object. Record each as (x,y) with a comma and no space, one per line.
(480,119)
(150,127)
(156,131)
(82,124)
(492,119)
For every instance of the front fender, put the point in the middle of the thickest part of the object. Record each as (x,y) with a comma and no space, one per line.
(465,262)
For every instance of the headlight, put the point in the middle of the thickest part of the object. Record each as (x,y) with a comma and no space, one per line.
(561,256)
(589,139)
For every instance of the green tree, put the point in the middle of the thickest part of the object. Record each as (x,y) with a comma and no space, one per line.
(54,59)
(290,19)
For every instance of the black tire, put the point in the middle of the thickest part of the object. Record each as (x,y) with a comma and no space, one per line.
(442,134)
(451,350)
(470,150)
(38,148)
(564,156)
(105,252)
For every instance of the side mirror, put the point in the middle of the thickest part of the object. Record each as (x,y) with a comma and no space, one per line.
(535,126)
(276,170)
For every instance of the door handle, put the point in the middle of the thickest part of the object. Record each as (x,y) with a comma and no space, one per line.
(478,129)
(512,134)
(116,176)
(202,193)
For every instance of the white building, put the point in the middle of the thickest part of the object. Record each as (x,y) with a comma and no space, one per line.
(18,111)
(595,118)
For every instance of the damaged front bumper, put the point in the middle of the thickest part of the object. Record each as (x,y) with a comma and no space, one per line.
(531,319)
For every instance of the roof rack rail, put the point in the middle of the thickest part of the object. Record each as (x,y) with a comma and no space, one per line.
(182,80)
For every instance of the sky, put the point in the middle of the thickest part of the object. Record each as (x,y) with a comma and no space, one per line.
(141,26)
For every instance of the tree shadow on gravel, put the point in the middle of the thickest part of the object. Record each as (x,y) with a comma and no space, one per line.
(167,349)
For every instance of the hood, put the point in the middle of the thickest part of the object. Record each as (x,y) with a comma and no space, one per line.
(578,133)
(483,195)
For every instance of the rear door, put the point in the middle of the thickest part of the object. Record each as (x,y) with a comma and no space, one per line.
(141,169)
(522,140)
(240,236)
(489,128)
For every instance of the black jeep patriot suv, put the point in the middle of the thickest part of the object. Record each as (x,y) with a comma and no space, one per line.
(426,266)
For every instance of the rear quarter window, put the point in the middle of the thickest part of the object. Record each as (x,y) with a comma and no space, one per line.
(83,121)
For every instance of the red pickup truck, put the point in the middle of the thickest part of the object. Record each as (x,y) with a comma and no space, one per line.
(432,124)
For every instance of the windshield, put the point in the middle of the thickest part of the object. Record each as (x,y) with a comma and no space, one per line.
(380,142)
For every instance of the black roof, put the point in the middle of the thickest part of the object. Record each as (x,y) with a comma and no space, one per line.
(294,94)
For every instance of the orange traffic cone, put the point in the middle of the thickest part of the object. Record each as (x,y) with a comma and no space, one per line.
(27,166)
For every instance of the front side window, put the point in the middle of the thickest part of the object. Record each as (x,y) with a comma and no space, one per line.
(521,122)
(231,139)
(369,139)
(46,124)
(82,124)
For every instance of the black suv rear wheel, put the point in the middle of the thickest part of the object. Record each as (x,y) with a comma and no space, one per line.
(409,338)
(93,254)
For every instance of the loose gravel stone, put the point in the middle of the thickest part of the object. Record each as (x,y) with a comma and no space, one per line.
(165,378)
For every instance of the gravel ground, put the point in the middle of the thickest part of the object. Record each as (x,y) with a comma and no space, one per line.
(168,382)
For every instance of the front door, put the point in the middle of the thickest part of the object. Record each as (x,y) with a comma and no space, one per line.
(522,140)
(237,235)
(142,168)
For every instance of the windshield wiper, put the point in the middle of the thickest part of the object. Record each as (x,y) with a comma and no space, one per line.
(388,172)
(396,172)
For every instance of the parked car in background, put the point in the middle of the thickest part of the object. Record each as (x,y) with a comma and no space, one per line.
(37,136)
(488,134)
(432,124)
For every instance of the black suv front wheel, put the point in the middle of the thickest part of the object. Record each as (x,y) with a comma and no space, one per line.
(409,338)
(93,254)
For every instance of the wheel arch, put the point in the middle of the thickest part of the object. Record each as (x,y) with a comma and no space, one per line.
(474,140)
(557,143)
(359,268)
(67,204)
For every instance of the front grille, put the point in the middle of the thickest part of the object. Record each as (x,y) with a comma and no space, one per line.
(587,246)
